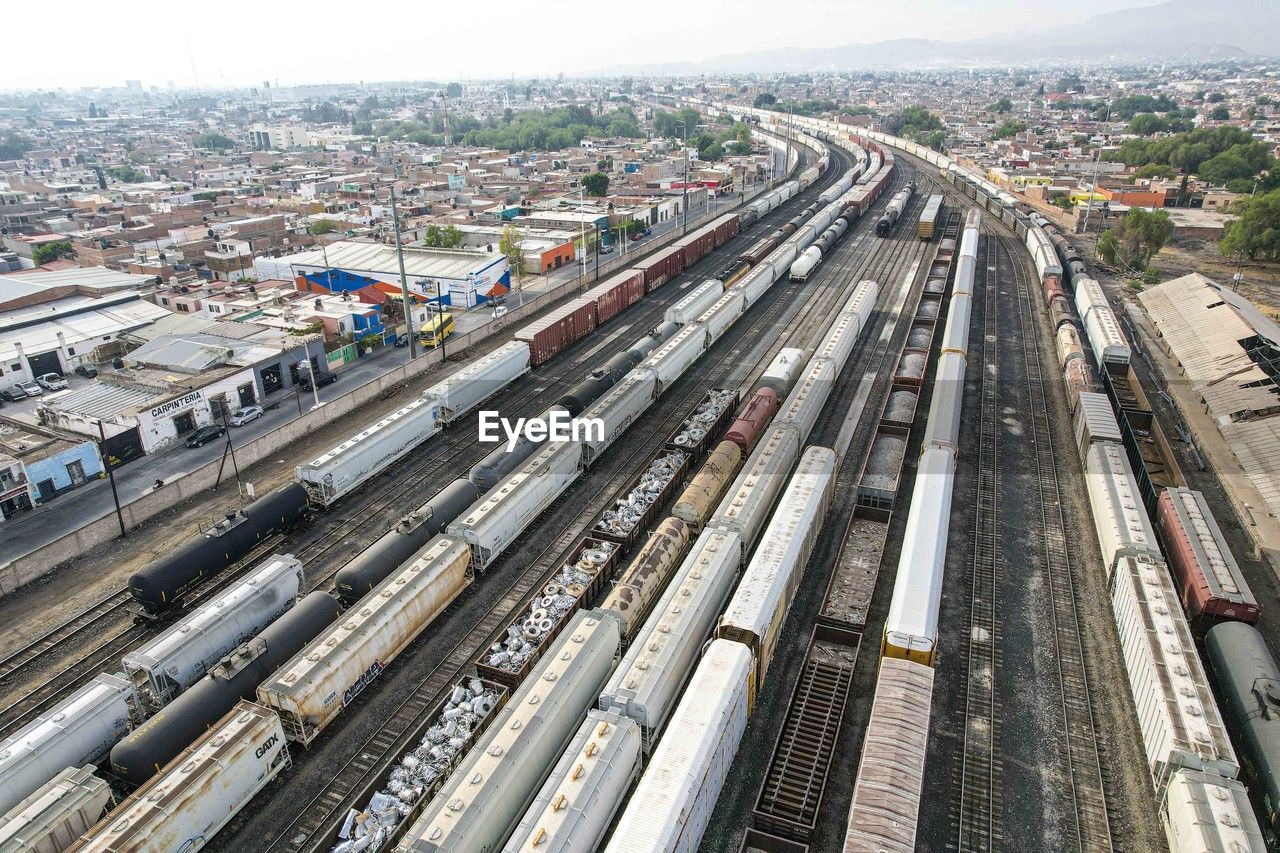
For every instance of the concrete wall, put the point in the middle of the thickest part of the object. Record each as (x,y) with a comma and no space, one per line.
(28,567)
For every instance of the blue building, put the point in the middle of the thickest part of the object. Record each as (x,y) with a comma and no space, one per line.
(54,461)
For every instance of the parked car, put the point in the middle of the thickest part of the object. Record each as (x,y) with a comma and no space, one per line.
(88,371)
(240,417)
(51,381)
(205,434)
(500,299)
(402,341)
(606,249)
(499,312)
(32,389)
(323,378)
(13,393)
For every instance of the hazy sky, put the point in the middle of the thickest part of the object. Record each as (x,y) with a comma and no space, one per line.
(237,42)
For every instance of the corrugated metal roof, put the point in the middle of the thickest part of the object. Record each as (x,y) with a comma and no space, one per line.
(103,400)
(375,257)
(89,326)
(1202,327)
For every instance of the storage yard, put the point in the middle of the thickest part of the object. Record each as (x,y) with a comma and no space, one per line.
(828,577)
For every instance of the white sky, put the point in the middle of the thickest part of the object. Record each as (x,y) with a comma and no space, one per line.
(237,42)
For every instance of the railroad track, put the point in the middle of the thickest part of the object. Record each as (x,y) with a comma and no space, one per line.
(1078,745)
(324,548)
(979,824)
(315,824)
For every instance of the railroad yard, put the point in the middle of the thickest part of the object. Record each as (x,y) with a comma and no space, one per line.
(869,555)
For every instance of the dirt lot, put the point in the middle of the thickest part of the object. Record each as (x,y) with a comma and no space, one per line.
(1183,255)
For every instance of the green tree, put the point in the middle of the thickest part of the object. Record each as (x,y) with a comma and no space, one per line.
(13,145)
(448,237)
(1010,127)
(322,226)
(596,184)
(1220,113)
(126,174)
(215,141)
(1255,232)
(1146,124)
(918,124)
(52,251)
(1217,98)
(1226,167)
(453,90)
(1136,239)
(1154,170)
(1001,106)
(764,101)
(509,245)
(1069,83)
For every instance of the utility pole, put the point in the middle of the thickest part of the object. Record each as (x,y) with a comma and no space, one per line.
(440,313)
(1097,165)
(111,475)
(404,282)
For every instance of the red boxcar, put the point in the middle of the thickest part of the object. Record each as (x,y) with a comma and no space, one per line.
(661,266)
(1208,577)
(616,293)
(753,418)
(548,335)
(726,228)
(697,244)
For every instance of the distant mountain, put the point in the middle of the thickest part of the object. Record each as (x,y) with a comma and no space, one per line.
(1175,30)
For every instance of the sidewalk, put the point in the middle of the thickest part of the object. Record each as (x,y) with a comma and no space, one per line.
(39,540)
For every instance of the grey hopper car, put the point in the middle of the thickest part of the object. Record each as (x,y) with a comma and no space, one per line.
(394,548)
(161,584)
(1249,684)
(151,746)
(656,337)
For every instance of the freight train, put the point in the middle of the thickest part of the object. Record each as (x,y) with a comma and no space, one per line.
(161,585)
(448,561)
(497,791)
(1148,578)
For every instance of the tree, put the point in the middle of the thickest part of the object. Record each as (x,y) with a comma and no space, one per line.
(1010,127)
(453,90)
(448,237)
(1255,232)
(1220,113)
(509,245)
(1154,170)
(1136,239)
(1069,83)
(596,184)
(13,145)
(1217,98)
(764,101)
(52,251)
(126,174)
(1001,106)
(322,226)
(605,163)
(215,141)
(918,124)
(1226,167)
(1040,90)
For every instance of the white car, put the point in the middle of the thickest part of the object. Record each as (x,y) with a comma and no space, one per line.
(500,311)
(243,416)
(32,389)
(51,381)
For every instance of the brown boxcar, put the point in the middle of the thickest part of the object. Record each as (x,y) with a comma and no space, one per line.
(661,266)
(753,418)
(616,293)
(1209,579)
(727,228)
(550,334)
